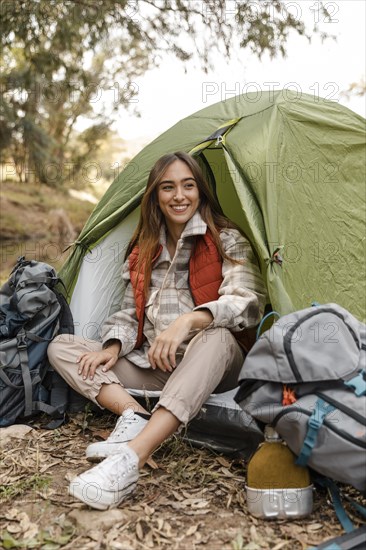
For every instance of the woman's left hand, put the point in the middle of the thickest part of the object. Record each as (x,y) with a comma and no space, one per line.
(162,352)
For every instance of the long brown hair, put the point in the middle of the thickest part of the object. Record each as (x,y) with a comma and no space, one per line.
(147,233)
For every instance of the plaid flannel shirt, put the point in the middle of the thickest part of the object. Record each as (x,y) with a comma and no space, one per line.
(242,294)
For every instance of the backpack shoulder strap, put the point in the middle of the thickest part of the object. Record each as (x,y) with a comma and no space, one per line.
(23,359)
(341,513)
(65,317)
(350,541)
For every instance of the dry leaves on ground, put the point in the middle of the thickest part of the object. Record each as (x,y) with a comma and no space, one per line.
(186,499)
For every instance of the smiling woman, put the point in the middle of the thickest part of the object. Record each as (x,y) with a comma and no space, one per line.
(191,286)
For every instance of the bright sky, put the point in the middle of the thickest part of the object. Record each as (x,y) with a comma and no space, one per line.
(168,94)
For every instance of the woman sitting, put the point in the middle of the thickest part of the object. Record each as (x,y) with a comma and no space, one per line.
(191,285)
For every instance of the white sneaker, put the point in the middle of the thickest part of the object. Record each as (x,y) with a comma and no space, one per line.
(106,485)
(127,427)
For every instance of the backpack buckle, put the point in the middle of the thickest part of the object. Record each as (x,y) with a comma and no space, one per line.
(320,411)
(358,384)
(314,423)
(21,344)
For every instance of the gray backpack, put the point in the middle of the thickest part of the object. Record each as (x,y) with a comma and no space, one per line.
(32,313)
(306,377)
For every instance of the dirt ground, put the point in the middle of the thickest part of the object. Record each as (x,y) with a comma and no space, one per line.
(186,498)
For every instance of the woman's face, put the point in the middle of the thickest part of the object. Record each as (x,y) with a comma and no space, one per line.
(178,196)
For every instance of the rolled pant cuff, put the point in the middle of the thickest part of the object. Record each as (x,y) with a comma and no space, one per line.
(92,391)
(176,406)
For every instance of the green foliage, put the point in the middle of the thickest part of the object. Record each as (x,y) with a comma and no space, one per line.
(44,539)
(35,482)
(65,59)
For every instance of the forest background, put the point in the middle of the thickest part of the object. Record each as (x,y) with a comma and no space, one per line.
(86,84)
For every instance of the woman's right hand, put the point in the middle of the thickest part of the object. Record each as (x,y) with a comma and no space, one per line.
(90,361)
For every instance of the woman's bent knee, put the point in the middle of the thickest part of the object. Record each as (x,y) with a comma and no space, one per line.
(56,346)
(68,347)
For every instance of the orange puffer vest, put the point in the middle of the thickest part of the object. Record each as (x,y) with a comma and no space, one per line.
(205,277)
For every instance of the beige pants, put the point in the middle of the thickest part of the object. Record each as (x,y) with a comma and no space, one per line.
(211,363)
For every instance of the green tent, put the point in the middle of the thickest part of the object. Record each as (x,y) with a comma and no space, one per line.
(288,168)
(290,171)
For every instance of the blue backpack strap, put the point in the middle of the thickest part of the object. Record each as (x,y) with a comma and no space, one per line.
(335,496)
(342,516)
(258,333)
(358,384)
(360,509)
(355,538)
(350,541)
(316,420)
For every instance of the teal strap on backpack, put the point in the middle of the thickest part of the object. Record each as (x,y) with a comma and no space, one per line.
(338,506)
(258,333)
(356,540)
(355,537)
(360,509)
(358,384)
(316,420)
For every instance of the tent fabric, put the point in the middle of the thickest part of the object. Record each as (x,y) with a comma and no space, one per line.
(288,168)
